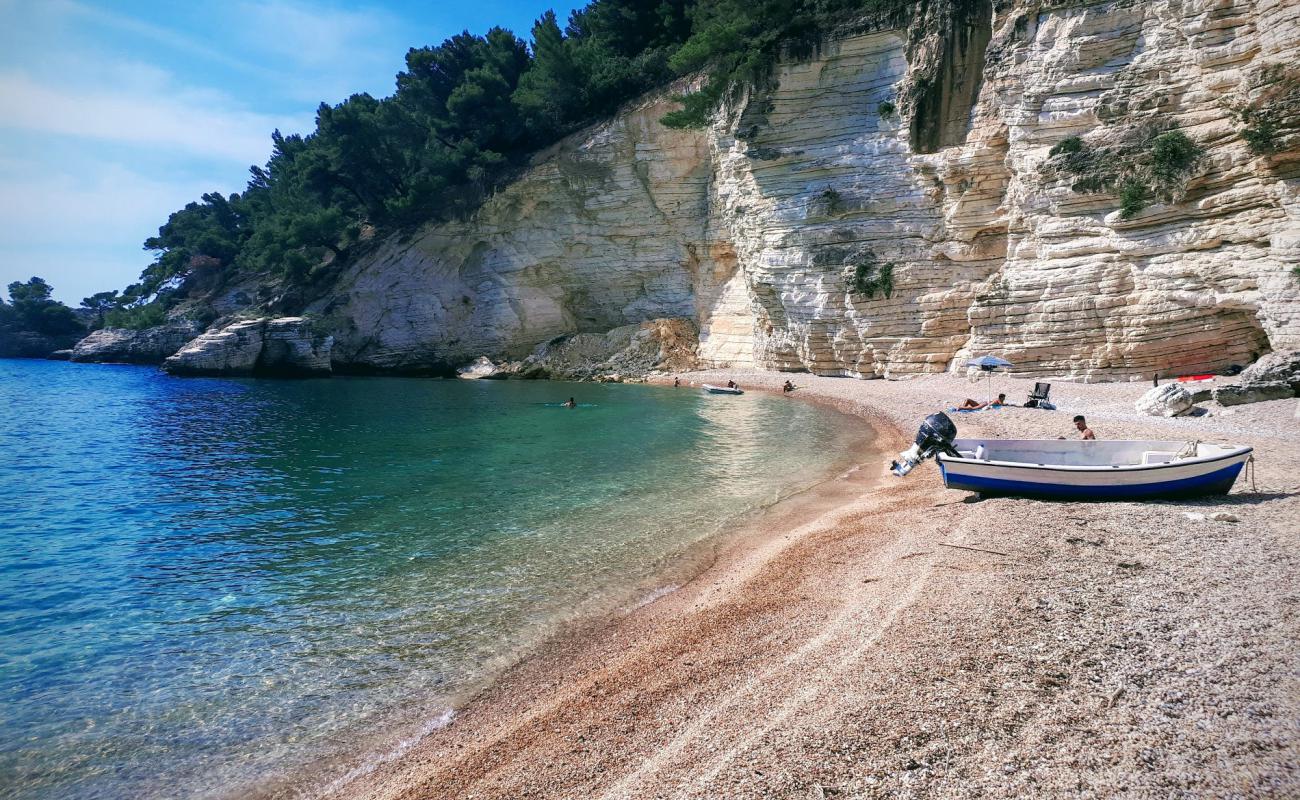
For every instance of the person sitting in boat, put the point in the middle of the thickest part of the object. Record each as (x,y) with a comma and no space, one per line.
(789,387)
(570,403)
(732,385)
(974,405)
(1084,431)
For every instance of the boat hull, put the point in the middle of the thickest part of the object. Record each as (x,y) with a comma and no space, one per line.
(1188,478)
(721,390)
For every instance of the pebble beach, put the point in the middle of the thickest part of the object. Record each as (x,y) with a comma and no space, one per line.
(885,637)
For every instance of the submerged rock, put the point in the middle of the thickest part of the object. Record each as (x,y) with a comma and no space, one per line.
(126,346)
(286,346)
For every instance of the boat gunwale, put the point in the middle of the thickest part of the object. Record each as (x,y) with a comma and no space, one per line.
(1108,469)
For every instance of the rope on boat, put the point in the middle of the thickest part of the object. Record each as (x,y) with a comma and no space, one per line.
(1189,449)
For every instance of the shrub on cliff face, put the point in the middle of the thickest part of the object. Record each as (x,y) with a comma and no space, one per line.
(1272,111)
(1133,197)
(1172,155)
(1070,144)
(1139,164)
(867,276)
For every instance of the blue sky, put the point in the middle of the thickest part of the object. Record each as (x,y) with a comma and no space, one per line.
(115,114)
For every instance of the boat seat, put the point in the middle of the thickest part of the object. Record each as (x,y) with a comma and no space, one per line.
(1158,456)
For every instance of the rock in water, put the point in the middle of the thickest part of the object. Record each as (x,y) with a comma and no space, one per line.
(146,346)
(1169,400)
(232,350)
(481,367)
(284,346)
(291,347)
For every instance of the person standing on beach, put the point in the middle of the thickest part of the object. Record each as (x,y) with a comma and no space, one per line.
(676,381)
(1084,430)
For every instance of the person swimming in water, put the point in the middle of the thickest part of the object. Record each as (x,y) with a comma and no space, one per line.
(570,403)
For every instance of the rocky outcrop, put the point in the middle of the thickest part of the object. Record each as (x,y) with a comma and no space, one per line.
(481,368)
(285,346)
(1169,400)
(1274,368)
(125,346)
(629,352)
(985,182)
(28,344)
(1273,377)
(1238,394)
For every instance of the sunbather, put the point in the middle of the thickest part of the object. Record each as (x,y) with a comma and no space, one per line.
(975,405)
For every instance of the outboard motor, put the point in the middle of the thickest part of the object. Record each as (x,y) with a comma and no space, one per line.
(935,436)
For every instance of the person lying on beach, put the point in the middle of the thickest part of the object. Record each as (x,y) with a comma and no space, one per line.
(789,387)
(1084,431)
(975,405)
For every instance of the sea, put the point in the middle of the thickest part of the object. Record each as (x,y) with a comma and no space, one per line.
(217,587)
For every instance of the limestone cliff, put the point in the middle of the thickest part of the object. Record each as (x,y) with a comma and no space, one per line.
(965,176)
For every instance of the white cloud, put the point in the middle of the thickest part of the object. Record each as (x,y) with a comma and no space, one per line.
(314,36)
(178,122)
(84,231)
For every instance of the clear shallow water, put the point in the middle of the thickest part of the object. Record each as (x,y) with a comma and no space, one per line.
(207,583)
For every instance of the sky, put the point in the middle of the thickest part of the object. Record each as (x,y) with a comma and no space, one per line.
(115,114)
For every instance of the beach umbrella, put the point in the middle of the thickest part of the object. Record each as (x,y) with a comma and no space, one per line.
(988,364)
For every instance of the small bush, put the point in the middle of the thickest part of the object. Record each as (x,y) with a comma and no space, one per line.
(1072,144)
(1173,154)
(832,201)
(1261,136)
(870,277)
(886,110)
(1133,197)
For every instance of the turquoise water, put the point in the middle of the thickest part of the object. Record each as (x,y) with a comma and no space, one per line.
(209,583)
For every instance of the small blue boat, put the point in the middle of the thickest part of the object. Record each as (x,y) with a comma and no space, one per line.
(1092,470)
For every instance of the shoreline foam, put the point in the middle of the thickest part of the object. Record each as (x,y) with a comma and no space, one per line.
(1114,649)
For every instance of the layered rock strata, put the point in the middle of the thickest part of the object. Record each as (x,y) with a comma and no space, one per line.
(125,346)
(287,346)
(913,164)
(986,181)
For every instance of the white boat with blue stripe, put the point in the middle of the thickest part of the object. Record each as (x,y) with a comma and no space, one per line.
(1091,470)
